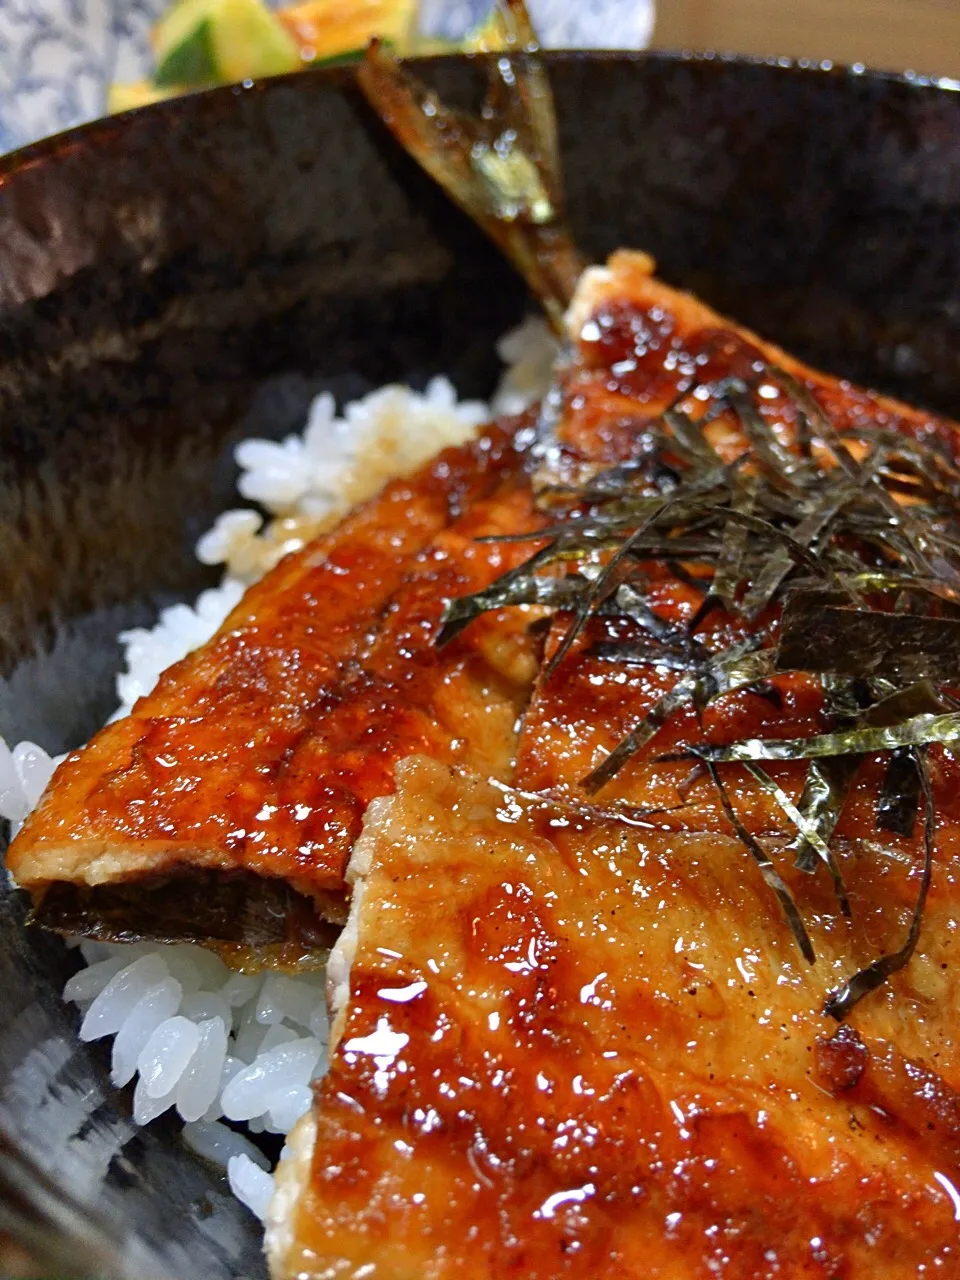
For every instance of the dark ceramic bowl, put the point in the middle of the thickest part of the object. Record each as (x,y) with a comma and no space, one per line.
(192,273)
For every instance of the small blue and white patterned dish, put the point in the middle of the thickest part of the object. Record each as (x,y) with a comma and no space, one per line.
(58,58)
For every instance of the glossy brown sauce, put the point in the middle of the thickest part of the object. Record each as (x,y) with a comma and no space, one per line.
(589,1047)
(578,1048)
(640,348)
(575,1045)
(261,750)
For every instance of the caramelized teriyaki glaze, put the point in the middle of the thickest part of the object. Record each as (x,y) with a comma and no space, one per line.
(580,1037)
(259,751)
(575,1047)
(639,346)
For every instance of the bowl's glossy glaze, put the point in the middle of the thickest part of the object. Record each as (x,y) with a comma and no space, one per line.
(175,279)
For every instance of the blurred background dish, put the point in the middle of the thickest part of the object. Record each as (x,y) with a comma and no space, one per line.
(63,62)
(892,35)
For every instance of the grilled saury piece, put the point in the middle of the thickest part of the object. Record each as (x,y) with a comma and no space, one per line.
(575,1047)
(589,1026)
(575,1033)
(243,777)
(656,374)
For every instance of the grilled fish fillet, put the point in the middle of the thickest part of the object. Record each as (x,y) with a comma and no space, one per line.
(256,755)
(575,1047)
(577,1038)
(638,345)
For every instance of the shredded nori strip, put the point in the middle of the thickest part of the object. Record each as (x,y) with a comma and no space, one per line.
(723,673)
(767,869)
(900,795)
(518,586)
(633,605)
(829,780)
(631,654)
(840,1002)
(658,715)
(775,456)
(808,531)
(599,590)
(689,435)
(839,551)
(821,802)
(918,731)
(817,636)
(733,543)
(808,830)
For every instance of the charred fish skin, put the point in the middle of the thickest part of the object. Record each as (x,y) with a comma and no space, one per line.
(573,1047)
(502,166)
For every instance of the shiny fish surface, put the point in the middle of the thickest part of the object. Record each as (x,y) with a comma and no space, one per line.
(639,345)
(257,754)
(575,1048)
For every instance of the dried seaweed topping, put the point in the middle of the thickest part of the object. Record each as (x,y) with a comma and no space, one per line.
(721,674)
(819,636)
(808,829)
(821,802)
(900,794)
(767,869)
(727,574)
(837,554)
(839,1003)
(835,551)
(918,731)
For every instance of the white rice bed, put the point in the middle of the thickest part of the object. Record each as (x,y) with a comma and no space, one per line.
(191,1035)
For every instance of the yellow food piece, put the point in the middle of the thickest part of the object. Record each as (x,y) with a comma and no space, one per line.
(326,29)
(124,97)
(488,37)
(250,41)
(204,42)
(199,43)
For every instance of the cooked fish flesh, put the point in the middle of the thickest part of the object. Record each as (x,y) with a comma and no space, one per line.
(575,1047)
(255,756)
(614,1021)
(638,348)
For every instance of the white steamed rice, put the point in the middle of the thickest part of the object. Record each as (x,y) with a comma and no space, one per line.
(190,1035)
